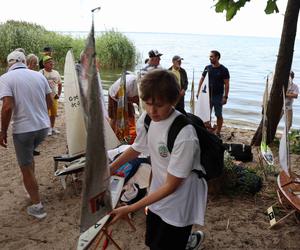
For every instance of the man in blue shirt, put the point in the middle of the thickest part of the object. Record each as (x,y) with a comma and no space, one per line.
(218,86)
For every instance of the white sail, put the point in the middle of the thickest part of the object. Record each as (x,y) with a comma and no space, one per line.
(264,148)
(284,145)
(75,127)
(111,139)
(96,195)
(202,108)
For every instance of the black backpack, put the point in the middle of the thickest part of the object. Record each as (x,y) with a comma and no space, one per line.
(211,147)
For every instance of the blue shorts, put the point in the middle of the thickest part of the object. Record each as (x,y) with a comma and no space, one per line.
(25,144)
(217,103)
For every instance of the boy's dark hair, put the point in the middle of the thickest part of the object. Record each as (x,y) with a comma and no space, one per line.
(216,53)
(160,84)
(292,74)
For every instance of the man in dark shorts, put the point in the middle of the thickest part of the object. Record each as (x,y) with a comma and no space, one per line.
(26,95)
(218,86)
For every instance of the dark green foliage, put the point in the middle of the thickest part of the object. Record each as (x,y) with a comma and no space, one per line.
(294,138)
(294,141)
(240,180)
(233,6)
(271,7)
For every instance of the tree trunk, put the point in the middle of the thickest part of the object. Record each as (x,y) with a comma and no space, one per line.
(282,70)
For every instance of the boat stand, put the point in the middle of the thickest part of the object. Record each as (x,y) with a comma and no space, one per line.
(286,200)
(272,218)
(104,231)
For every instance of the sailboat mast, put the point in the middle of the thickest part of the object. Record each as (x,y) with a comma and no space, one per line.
(288,158)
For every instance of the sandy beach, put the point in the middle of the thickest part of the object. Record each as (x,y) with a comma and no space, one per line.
(232,222)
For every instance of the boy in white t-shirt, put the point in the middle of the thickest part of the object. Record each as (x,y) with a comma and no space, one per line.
(177,197)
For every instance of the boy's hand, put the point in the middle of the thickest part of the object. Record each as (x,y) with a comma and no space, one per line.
(112,171)
(120,213)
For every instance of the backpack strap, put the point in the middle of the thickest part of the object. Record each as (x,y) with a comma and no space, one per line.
(178,123)
(147,122)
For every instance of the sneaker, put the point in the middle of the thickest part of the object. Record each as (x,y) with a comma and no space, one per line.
(195,240)
(55,131)
(130,194)
(37,212)
(35,152)
(50,132)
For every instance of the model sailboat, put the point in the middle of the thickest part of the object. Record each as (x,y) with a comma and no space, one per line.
(288,183)
(122,128)
(100,192)
(202,108)
(264,148)
(192,100)
(75,90)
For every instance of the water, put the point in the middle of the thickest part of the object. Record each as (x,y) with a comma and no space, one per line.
(249,60)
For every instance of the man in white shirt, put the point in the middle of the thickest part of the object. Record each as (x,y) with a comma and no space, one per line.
(132,97)
(26,96)
(153,62)
(291,94)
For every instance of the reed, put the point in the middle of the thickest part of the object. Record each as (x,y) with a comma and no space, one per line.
(116,51)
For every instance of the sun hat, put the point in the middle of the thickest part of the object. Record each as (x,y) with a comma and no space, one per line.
(154,53)
(47,58)
(20,50)
(16,56)
(176,58)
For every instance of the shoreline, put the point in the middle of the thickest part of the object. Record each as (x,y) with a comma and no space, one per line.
(234,222)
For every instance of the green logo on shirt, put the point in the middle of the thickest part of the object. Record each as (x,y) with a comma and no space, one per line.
(163,150)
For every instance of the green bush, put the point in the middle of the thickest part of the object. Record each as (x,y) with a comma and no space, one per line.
(239,179)
(33,38)
(115,51)
(15,34)
(294,141)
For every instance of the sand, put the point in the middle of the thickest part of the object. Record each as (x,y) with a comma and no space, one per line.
(232,222)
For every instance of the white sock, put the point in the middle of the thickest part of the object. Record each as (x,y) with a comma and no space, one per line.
(38,205)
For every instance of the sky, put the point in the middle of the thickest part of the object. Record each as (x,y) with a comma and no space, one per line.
(171,16)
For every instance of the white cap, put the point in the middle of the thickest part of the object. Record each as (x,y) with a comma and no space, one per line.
(16,56)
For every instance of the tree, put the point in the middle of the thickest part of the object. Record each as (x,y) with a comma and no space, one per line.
(283,63)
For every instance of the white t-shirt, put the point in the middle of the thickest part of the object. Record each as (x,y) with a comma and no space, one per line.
(53,78)
(104,109)
(29,89)
(186,206)
(149,68)
(131,87)
(292,88)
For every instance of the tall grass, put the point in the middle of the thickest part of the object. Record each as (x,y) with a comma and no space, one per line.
(113,48)
(33,38)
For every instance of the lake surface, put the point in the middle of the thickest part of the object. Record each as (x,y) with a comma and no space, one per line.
(248,59)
